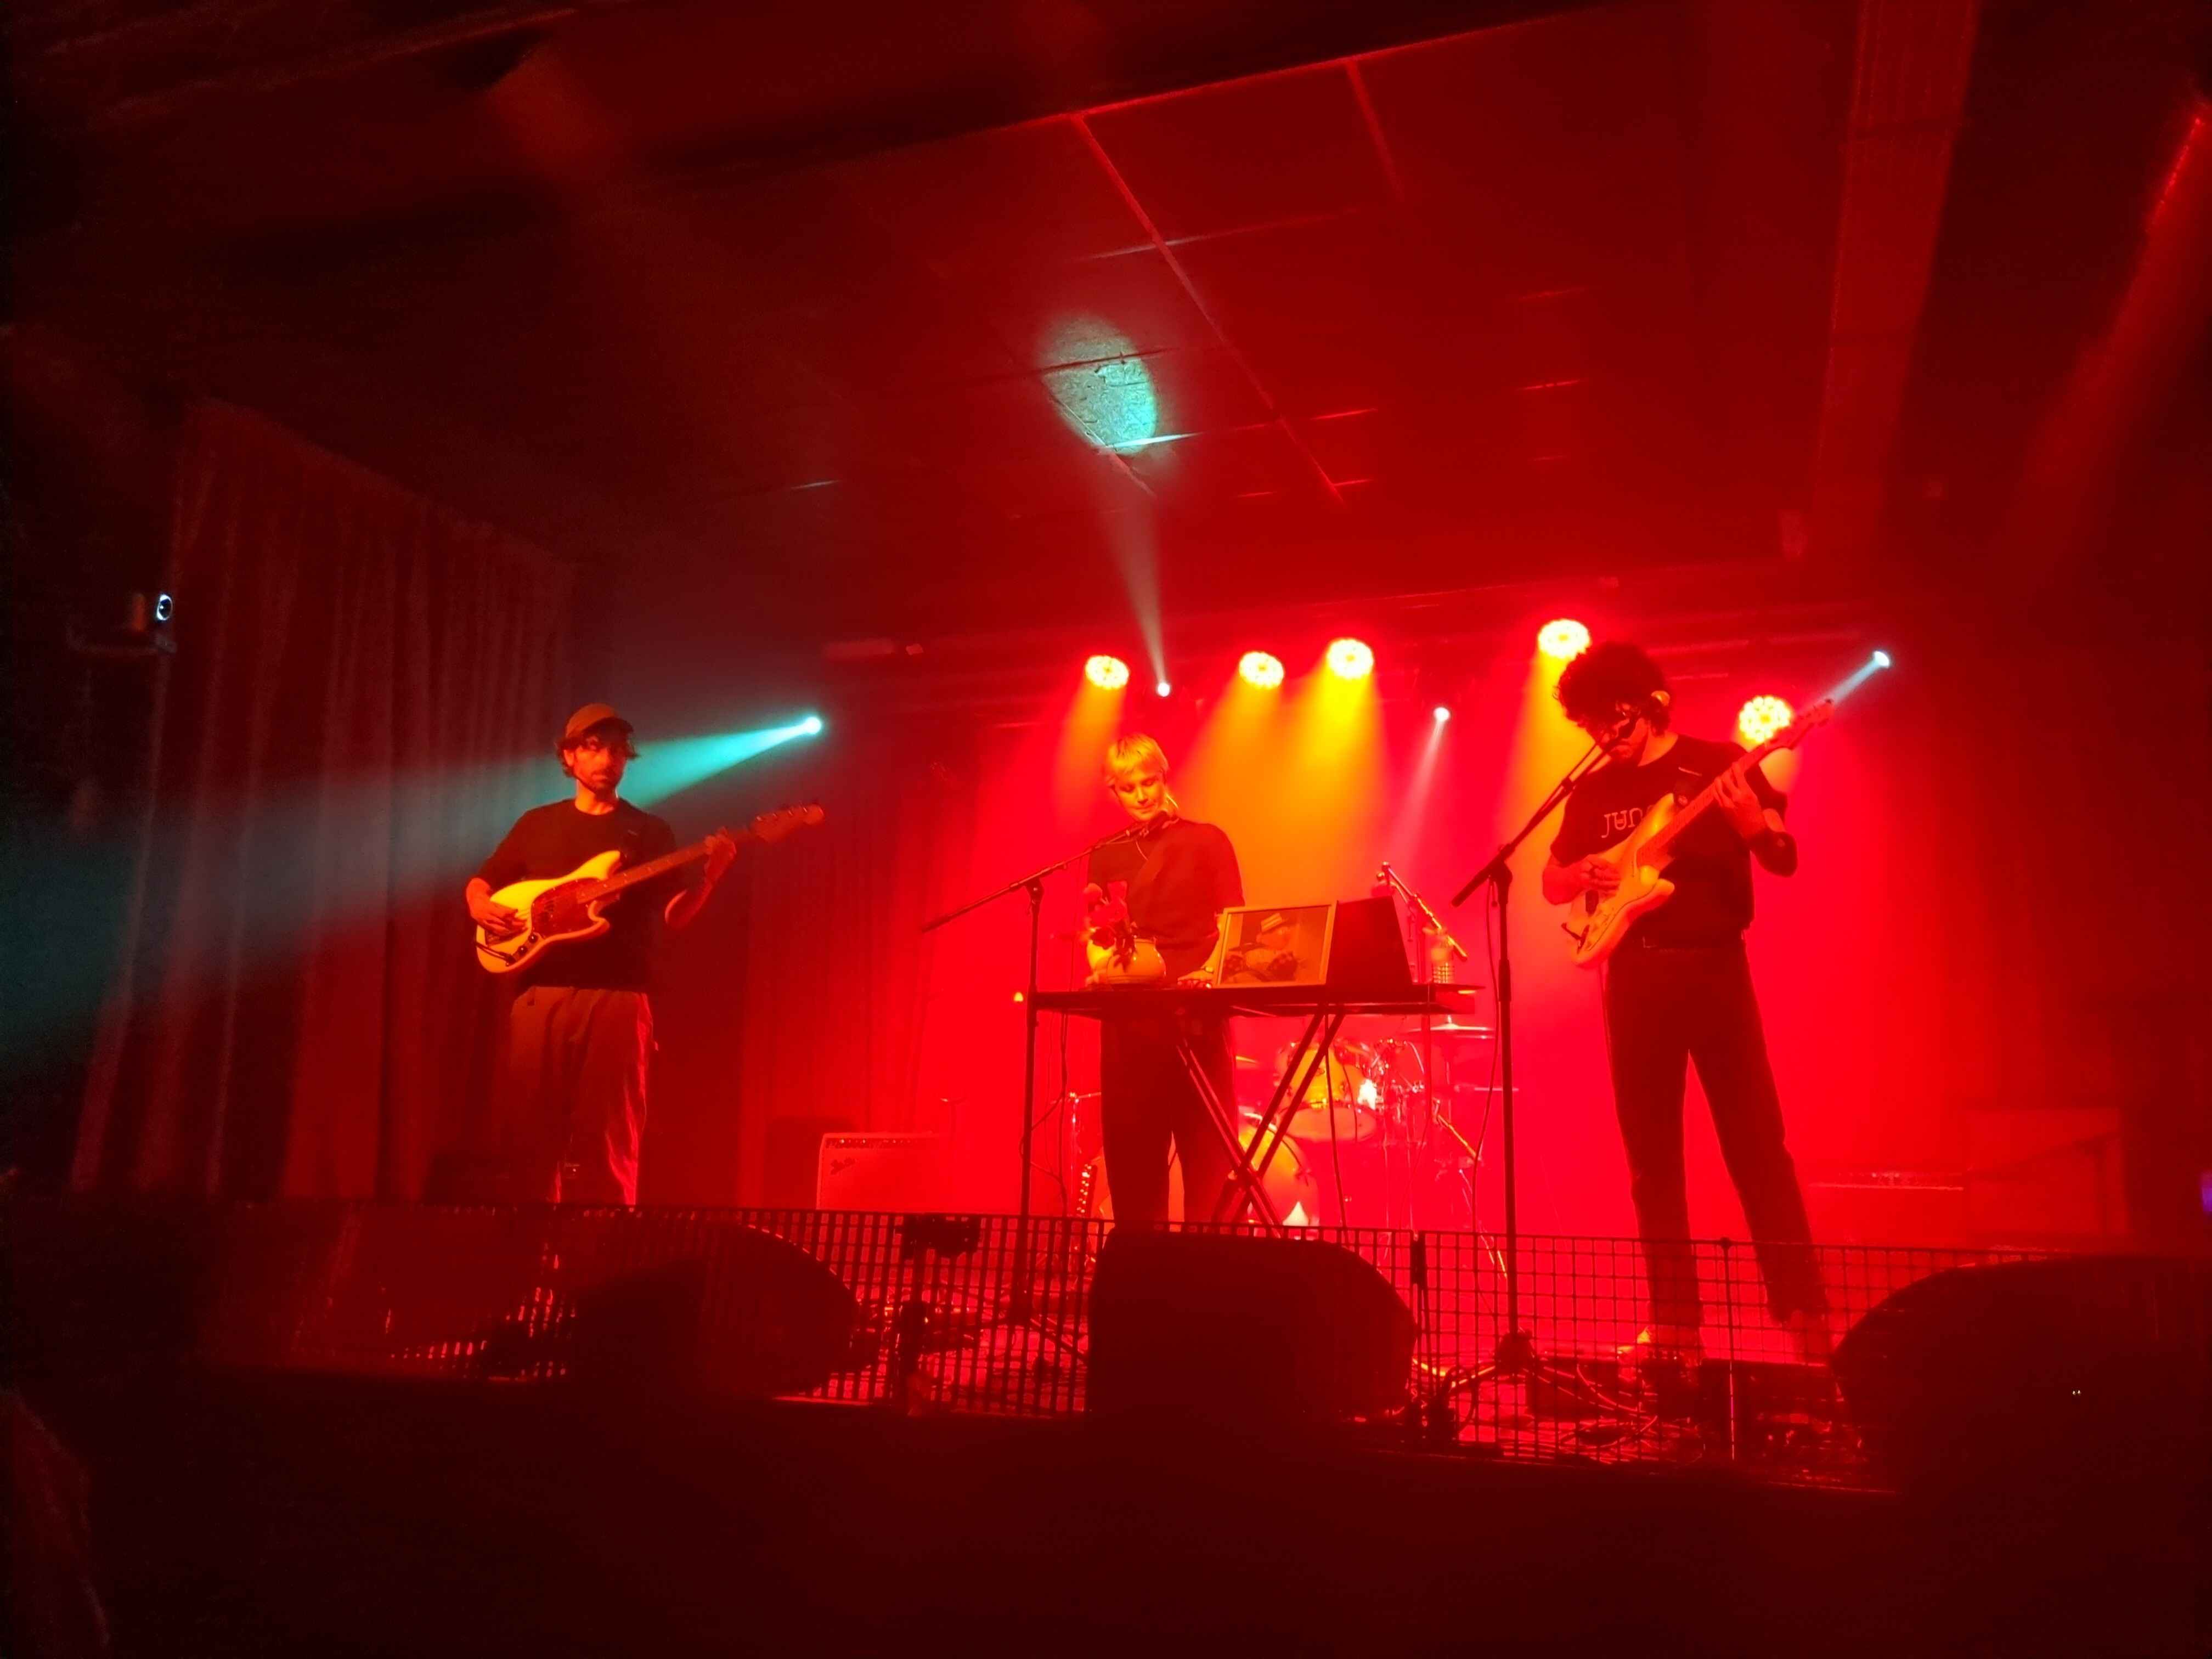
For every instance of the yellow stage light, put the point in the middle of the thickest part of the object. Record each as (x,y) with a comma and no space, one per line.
(1350,659)
(1107,673)
(1761,718)
(1262,670)
(1562,639)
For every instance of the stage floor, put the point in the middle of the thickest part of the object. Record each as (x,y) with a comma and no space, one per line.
(243,1516)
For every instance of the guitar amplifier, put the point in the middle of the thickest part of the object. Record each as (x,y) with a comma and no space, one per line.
(894,1172)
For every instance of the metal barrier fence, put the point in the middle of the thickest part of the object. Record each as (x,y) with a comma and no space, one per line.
(987,1314)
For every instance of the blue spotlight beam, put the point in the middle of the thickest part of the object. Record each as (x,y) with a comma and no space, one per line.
(673,766)
(1865,672)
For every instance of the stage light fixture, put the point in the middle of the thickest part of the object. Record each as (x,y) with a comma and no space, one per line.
(1880,660)
(811,725)
(1107,673)
(1163,689)
(1562,639)
(1350,659)
(1761,718)
(165,610)
(1441,714)
(1262,670)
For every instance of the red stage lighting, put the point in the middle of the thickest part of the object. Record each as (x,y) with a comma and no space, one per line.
(1262,670)
(1107,673)
(1761,718)
(1563,640)
(1350,659)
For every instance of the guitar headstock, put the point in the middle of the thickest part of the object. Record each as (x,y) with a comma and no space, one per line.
(771,827)
(1818,715)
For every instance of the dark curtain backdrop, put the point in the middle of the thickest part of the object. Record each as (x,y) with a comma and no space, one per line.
(806,990)
(361,700)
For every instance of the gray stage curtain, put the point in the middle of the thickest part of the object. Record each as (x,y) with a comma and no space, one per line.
(363,695)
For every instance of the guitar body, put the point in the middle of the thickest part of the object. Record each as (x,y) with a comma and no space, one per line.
(554,912)
(1598,924)
(573,907)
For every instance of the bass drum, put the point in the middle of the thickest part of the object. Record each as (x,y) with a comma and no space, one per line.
(1289,1186)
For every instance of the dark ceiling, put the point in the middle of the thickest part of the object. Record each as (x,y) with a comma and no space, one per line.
(858,317)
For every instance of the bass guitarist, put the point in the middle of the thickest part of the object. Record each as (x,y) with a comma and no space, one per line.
(1678,991)
(579,1035)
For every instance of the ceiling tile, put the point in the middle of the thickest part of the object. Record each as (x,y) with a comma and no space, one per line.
(1252,152)
(1022,196)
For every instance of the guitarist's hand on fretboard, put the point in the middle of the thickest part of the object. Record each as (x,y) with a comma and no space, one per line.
(722,853)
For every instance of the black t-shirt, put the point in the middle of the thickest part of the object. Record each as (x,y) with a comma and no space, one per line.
(1711,868)
(1180,875)
(552,841)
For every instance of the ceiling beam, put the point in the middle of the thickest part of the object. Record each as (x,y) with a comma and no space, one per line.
(1912,62)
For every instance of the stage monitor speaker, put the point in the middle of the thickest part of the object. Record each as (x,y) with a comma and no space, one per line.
(751,1316)
(1244,1327)
(2094,1369)
(899,1172)
(107,1294)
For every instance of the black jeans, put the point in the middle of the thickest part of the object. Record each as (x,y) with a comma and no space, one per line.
(1146,1099)
(1664,1008)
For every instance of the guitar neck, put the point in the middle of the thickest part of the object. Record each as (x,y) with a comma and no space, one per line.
(1705,798)
(660,867)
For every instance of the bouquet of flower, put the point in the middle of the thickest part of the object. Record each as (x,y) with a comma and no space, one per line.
(1116,955)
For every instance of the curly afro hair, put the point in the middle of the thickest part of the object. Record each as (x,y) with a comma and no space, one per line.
(1607,675)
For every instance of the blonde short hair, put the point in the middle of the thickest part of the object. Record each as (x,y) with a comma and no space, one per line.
(1127,754)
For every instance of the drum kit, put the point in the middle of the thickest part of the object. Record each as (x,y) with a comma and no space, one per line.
(1371,1141)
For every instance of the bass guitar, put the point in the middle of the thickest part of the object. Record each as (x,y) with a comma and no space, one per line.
(1597,923)
(568,908)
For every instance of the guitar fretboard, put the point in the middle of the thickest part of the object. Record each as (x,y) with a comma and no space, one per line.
(660,867)
(770,826)
(1705,797)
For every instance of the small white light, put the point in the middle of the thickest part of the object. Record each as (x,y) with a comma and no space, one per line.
(1163,689)
(1882,660)
(811,725)
(1441,713)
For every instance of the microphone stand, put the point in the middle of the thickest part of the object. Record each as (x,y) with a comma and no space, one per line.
(1420,907)
(1517,1349)
(1033,884)
(1421,920)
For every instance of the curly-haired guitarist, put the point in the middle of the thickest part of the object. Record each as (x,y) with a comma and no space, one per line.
(1678,991)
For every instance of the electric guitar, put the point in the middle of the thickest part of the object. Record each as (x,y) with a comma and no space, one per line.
(569,907)
(1598,923)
